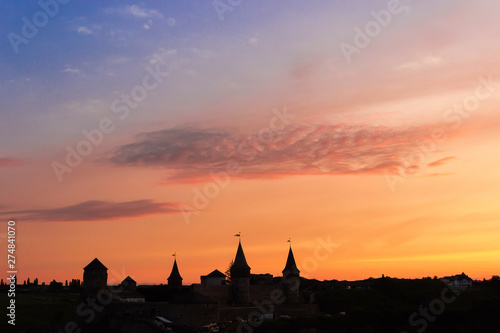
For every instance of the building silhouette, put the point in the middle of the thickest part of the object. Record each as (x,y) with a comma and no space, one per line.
(291,279)
(240,278)
(95,277)
(175,279)
(215,278)
(215,299)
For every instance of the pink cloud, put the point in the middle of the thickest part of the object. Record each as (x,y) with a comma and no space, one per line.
(441,161)
(95,210)
(9,162)
(191,154)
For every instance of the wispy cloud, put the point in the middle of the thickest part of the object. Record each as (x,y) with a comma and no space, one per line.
(440,174)
(84,30)
(147,26)
(95,210)
(191,154)
(171,22)
(9,162)
(137,11)
(134,11)
(205,54)
(441,161)
(71,70)
(421,63)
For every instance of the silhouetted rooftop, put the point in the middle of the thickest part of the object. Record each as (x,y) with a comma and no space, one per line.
(291,266)
(240,262)
(129,280)
(175,275)
(95,265)
(216,273)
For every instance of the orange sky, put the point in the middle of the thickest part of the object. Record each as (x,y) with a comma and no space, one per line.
(391,158)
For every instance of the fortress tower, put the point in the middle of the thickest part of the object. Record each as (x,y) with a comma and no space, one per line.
(175,279)
(240,278)
(95,277)
(291,279)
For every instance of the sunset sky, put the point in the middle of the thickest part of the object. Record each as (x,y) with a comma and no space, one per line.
(368,132)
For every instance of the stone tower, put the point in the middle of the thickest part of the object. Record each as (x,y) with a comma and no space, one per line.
(175,279)
(95,277)
(240,278)
(291,279)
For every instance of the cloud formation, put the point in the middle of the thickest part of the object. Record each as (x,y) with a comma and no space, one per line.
(191,154)
(9,162)
(137,11)
(71,70)
(95,210)
(134,11)
(421,63)
(441,161)
(84,30)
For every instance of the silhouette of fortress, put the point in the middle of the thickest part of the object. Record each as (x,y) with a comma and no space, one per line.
(245,288)
(215,299)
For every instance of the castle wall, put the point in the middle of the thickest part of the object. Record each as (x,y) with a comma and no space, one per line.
(193,315)
(240,290)
(219,293)
(222,293)
(262,292)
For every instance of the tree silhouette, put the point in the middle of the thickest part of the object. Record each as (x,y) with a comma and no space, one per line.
(228,270)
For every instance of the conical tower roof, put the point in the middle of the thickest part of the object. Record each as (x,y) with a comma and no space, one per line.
(95,265)
(240,267)
(291,266)
(175,277)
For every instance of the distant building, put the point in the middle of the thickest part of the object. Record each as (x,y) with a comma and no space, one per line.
(127,291)
(458,281)
(55,286)
(216,278)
